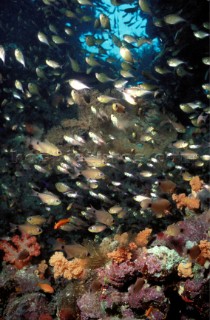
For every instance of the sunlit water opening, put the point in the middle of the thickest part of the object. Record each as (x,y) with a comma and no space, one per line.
(124,20)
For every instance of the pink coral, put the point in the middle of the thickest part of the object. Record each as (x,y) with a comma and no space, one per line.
(90,307)
(192,229)
(20,250)
(117,274)
(143,298)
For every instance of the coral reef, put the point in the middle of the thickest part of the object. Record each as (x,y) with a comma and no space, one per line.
(104,165)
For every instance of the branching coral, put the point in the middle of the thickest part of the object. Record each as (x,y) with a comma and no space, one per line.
(21,249)
(73,269)
(120,255)
(141,238)
(204,255)
(183,201)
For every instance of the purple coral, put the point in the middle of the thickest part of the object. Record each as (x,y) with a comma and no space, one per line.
(146,296)
(117,274)
(90,307)
(148,264)
(191,288)
(113,298)
(157,262)
(193,229)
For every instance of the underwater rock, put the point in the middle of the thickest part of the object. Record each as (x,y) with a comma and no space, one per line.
(90,306)
(147,296)
(27,307)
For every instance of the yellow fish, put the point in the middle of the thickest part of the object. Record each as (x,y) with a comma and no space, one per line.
(36,220)
(33,230)
(93,174)
(48,198)
(95,162)
(45,147)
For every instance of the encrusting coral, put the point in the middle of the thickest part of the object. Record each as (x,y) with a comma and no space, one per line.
(185,269)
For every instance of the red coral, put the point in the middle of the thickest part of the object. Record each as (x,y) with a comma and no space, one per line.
(20,250)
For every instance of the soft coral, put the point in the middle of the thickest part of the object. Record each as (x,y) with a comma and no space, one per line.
(20,249)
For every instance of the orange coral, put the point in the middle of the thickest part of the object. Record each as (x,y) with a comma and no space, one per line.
(120,255)
(183,201)
(204,246)
(196,183)
(204,255)
(132,246)
(141,238)
(185,270)
(122,238)
(73,269)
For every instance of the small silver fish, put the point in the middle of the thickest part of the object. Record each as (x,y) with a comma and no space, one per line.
(2,54)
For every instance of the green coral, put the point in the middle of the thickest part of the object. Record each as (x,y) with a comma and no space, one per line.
(169,257)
